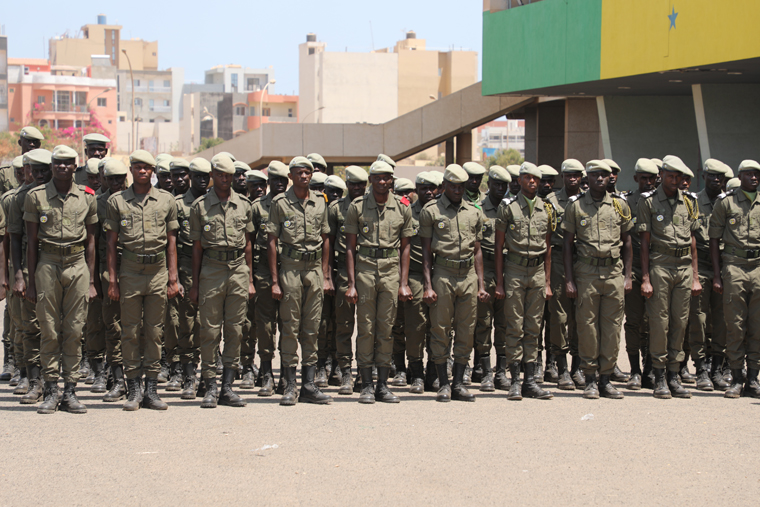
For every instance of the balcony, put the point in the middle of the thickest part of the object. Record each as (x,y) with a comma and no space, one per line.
(160,109)
(55,110)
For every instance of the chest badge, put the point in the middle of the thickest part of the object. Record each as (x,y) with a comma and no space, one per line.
(343,228)
(263,226)
(43,219)
(511,227)
(584,222)
(287,223)
(731,221)
(660,218)
(207,227)
(123,223)
(365,229)
(441,225)
(185,223)
(635,219)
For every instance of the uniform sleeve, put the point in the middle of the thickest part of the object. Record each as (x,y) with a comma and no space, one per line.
(718,220)
(426,223)
(249,225)
(627,225)
(695,226)
(92,211)
(568,222)
(644,220)
(15,218)
(172,224)
(351,225)
(31,213)
(479,233)
(332,219)
(407,231)
(273,226)
(112,215)
(195,222)
(325,224)
(2,222)
(502,218)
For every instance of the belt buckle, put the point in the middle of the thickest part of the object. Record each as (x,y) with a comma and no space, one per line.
(753,254)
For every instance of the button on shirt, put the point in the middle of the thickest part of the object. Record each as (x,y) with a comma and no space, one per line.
(454,229)
(221,225)
(142,221)
(62,219)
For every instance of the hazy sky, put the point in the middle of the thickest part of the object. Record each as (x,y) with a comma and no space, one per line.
(198,35)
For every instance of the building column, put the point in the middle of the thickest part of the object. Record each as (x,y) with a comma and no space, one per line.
(449,151)
(464,147)
(699,113)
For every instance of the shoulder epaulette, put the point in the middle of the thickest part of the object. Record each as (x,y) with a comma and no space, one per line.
(432,202)
(161,190)
(574,198)
(405,201)
(620,196)
(278,197)
(692,195)
(646,195)
(548,204)
(508,200)
(727,193)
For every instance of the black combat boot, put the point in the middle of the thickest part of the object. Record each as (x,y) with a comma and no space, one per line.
(735,390)
(219,363)
(444,391)
(551,372)
(477,370)
(336,375)
(716,374)
(538,370)
(686,376)
(175,378)
(674,384)
(346,381)
(751,387)
(249,380)
(634,383)
(99,382)
(212,393)
(22,387)
(310,392)
(267,379)
(69,402)
(119,389)
(16,377)
(188,382)
(227,396)
(591,391)
(515,389)
(467,377)
(564,380)
(661,390)
(134,395)
(486,378)
(91,370)
(367,394)
(289,390)
(399,380)
(50,398)
(500,379)
(416,371)
(35,387)
(9,363)
(648,379)
(280,389)
(84,367)
(619,376)
(703,376)
(458,389)
(728,373)
(530,388)
(431,377)
(607,390)
(576,374)
(382,393)
(320,378)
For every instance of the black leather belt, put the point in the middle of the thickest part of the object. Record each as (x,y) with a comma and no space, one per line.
(743,253)
(378,253)
(466,263)
(527,262)
(599,261)
(61,250)
(224,255)
(298,255)
(143,258)
(674,252)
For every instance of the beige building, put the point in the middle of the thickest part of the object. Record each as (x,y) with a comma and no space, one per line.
(103,39)
(375,87)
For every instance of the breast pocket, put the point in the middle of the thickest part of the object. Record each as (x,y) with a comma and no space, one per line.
(660,222)
(50,221)
(442,226)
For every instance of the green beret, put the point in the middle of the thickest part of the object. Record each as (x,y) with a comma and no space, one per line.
(530,168)
(91,166)
(356,174)
(657,162)
(402,185)
(749,165)
(31,133)
(223,163)
(437,177)
(241,166)
(301,162)
(318,178)
(380,167)
(498,173)
(513,170)
(63,152)
(335,182)
(729,172)
(425,178)
(163,166)
(316,159)
(673,163)
(18,162)
(179,163)
(388,160)
(547,171)
(612,164)
(142,156)
(163,156)
(454,173)
(200,165)
(598,165)
(473,168)
(229,155)
(38,156)
(733,183)
(114,167)
(646,166)
(715,166)
(95,139)
(252,176)
(277,168)
(572,165)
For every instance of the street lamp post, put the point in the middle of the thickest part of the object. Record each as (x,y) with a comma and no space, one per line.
(132,78)
(311,113)
(261,117)
(88,108)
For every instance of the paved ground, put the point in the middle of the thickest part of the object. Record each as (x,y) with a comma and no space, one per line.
(635,451)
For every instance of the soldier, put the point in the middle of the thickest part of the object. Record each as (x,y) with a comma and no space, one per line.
(93,175)
(388,160)
(356,184)
(491,313)
(475,174)
(562,329)
(115,173)
(546,192)
(438,178)
(452,228)
(143,221)
(256,184)
(548,179)
(378,227)
(612,187)
(636,326)
(267,314)
(61,218)
(317,183)
(514,185)
(597,223)
(734,220)
(403,187)
(658,163)
(238,181)
(318,162)
(707,327)
(95,147)
(298,218)
(524,226)
(198,172)
(667,222)
(164,175)
(220,227)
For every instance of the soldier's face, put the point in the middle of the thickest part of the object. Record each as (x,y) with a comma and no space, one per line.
(180,179)
(333,194)
(278,184)
(301,177)
(546,186)
(165,181)
(256,189)
(93,181)
(572,181)
(238,183)
(200,180)
(222,180)
(141,173)
(584,183)
(685,183)
(473,183)
(116,183)
(613,179)
(598,182)
(453,191)
(381,183)
(29,144)
(671,180)
(749,180)
(514,186)
(319,169)
(356,189)
(426,193)
(714,182)
(529,185)
(63,169)
(96,151)
(645,181)
(497,188)
(20,173)
(42,173)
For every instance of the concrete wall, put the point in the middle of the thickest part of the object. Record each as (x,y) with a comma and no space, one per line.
(583,139)
(551,133)
(417,79)
(154,137)
(732,114)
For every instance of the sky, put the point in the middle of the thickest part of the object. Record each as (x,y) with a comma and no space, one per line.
(199,35)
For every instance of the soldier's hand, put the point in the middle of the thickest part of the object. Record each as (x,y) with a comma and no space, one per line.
(571,290)
(172,290)
(181,291)
(31,291)
(328,287)
(627,285)
(94,292)
(646,289)
(549,292)
(430,297)
(352,296)
(696,287)
(276,292)
(194,294)
(404,293)
(19,288)
(483,296)
(717,284)
(113,291)
(251,290)
(499,292)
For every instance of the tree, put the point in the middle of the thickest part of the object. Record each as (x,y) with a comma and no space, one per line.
(439,162)
(504,158)
(208,142)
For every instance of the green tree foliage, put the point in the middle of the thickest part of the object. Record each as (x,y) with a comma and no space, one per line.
(208,142)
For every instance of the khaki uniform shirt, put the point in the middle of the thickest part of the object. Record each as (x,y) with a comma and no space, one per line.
(703,233)
(8,179)
(80,176)
(454,229)
(488,243)
(298,224)
(415,249)
(142,223)
(524,234)
(669,225)
(598,226)
(15,215)
(736,220)
(102,238)
(379,226)
(218,225)
(184,204)
(260,209)
(336,218)
(62,220)
(560,200)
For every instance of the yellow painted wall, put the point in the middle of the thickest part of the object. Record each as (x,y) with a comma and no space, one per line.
(637,37)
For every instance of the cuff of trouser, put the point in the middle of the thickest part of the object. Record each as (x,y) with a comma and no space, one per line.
(73,379)
(674,367)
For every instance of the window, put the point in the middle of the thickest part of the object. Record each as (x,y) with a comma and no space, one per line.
(151,121)
(121,118)
(290,113)
(110,121)
(150,104)
(252,111)
(311,51)
(62,100)
(265,111)
(80,98)
(11,90)
(137,82)
(239,110)
(252,84)
(78,124)
(166,103)
(26,70)
(167,121)
(101,102)
(154,53)
(167,83)
(234,80)
(138,102)
(150,85)
(40,99)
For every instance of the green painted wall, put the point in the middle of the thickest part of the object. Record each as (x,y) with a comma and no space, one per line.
(547,43)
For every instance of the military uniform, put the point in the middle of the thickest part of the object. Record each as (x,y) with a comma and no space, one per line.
(8,179)
(636,321)
(344,311)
